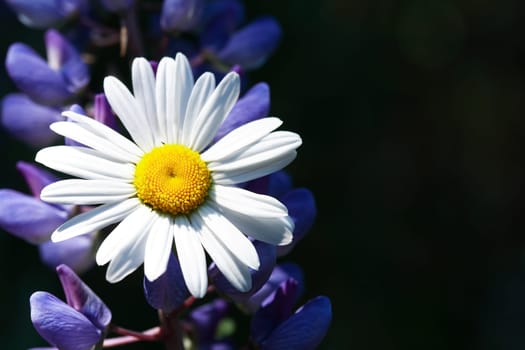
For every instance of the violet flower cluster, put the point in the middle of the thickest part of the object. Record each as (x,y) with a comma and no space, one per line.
(84,41)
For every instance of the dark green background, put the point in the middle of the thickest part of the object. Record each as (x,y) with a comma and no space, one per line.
(412,117)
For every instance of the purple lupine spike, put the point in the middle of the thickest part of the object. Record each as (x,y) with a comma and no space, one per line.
(267,256)
(81,298)
(28,121)
(61,325)
(302,209)
(169,291)
(43,14)
(206,317)
(34,228)
(255,104)
(35,177)
(275,310)
(119,6)
(221,18)
(102,112)
(181,15)
(50,83)
(76,253)
(280,274)
(251,46)
(304,330)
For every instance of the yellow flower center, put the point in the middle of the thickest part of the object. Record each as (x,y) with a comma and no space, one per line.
(172,179)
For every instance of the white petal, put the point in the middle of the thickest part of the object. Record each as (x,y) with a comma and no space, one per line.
(84,162)
(129,112)
(128,229)
(158,247)
(191,257)
(199,95)
(213,113)
(237,273)
(247,202)
(128,259)
(107,139)
(162,92)
(143,81)
(275,231)
(95,219)
(177,102)
(240,138)
(86,192)
(229,236)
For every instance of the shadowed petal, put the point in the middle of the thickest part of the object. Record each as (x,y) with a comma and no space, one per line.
(76,253)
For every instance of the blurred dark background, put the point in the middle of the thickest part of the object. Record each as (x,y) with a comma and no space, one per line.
(413,124)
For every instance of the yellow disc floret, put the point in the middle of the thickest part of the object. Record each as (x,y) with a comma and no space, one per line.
(172,179)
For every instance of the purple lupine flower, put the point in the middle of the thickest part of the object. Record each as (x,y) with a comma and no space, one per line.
(251,46)
(117,5)
(54,82)
(102,112)
(205,320)
(169,291)
(181,15)
(275,327)
(78,324)
(28,121)
(43,14)
(221,18)
(29,218)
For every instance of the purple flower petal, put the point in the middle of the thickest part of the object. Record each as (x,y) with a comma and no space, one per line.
(252,45)
(274,311)
(76,252)
(62,56)
(34,77)
(36,178)
(61,325)
(81,298)
(44,14)
(118,5)
(221,19)
(205,318)
(255,104)
(102,112)
(276,184)
(267,256)
(303,330)
(169,291)
(181,15)
(27,217)
(279,274)
(301,208)
(29,122)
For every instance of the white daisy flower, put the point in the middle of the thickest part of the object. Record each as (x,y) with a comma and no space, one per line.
(172,186)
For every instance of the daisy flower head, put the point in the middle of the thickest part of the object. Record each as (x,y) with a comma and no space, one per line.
(171,188)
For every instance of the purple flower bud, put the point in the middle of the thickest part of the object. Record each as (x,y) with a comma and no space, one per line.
(61,325)
(275,310)
(76,252)
(303,330)
(29,218)
(36,178)
(267,256)
(169,291)
(118,5)
(81,298)
(279,275)
(77,325)
(255,104)
(301,208)
(251,46)
(221,19)
(54,82)
(45,13)
(181,15)
(29,122)
(102,112)
(206,318)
